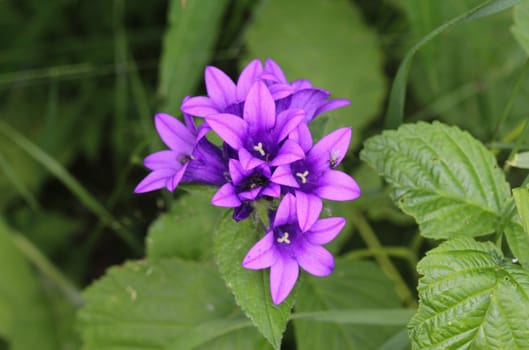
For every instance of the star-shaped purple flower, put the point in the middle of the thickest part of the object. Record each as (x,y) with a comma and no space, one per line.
(260,136)
(224,96)
(313,177)
(286,247)
(190,158)
(245,187)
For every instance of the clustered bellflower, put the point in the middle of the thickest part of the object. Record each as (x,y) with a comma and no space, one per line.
(267,153)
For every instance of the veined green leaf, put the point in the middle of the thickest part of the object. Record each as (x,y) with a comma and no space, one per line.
(448,181)
(186,231)
(187,47)
(251,288)
(520,29)
(345,301)
(328,43)
(161,305)
(470,298)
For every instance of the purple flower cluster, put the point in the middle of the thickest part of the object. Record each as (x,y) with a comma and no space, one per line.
(267,152)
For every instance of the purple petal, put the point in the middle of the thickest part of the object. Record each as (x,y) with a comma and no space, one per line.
(176,178)
(164,160)
(173,133)
(314,259)
(237,173)
(273,72)
(251,73)
(230,128)
(302,136)
(286,211)
(155,180)
(272,190)
(308,207)
(287,121)
(200,106)
(189,121)
(259,108)
(331,149)
(289,152)
(309,100)
(248,161)
(325,230)
(220,87)
(262,255)
(203,129)
(226,197)
(242,212)
(283,176)
(280,90)
(250,195)
(333,104)
(337,185)
(301,84)
(283,276)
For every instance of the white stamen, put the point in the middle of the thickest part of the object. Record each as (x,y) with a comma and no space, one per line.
(303,176)
(284,238)
(259,148)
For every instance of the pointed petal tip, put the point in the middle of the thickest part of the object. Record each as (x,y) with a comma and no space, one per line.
(226,197)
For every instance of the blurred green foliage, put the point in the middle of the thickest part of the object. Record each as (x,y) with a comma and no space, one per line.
(80,82)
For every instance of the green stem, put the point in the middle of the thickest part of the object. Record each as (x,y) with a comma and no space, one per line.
(385,263)
(397,252)
(47,268)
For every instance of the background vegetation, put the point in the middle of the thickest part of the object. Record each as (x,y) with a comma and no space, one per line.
(80,82)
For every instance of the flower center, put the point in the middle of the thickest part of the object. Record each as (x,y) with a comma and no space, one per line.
(284,238)
(186,159)
(259,148)
(303,176)
(253,181)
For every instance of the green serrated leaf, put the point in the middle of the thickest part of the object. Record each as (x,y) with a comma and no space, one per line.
(448,181)
(187,48)
(520,28)
(328,43)
(161,305)
(251,288)
(470,298)
(185,231)
(346,289)
(29,323)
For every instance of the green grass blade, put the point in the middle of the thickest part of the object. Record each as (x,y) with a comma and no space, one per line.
(395,111)
(21,188)
(54,167)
